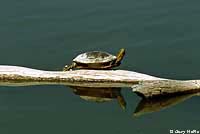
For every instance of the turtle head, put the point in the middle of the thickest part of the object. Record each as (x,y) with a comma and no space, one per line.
(70,67)
(66,68)
(120,55)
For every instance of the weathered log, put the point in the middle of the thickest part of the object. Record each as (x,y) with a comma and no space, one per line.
(150,89)
(22,76)
(143,84)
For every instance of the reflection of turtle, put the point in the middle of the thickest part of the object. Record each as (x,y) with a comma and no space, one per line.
(100,94)
(96,60)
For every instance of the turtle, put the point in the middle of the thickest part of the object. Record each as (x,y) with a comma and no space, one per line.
(96,60)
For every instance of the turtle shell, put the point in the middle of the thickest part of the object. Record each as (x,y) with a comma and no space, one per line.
(94,57)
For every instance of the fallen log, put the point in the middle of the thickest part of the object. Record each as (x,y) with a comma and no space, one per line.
(22,76)
(148,89)
(143,84)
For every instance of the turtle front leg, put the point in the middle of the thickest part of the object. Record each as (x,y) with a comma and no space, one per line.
(67,68)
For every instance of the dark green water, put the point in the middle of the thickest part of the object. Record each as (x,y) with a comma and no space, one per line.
(161,38)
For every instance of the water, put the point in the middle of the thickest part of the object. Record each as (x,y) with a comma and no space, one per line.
(161,39)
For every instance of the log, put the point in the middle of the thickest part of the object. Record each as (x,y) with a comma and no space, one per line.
(148,89)
(144,85)
(22,76)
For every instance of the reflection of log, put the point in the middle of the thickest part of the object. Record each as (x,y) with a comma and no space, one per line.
(156,104)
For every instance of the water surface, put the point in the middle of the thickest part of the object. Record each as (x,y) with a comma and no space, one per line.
(161,39)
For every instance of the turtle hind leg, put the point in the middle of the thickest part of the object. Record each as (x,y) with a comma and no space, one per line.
(67,68)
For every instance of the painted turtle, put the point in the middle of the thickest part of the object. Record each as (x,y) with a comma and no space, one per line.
(96,60)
